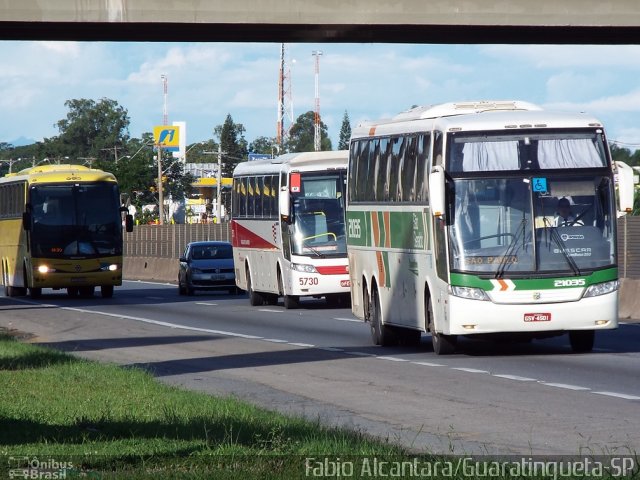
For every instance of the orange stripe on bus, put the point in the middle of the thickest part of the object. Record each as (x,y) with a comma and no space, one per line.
(381,275)
(376,229)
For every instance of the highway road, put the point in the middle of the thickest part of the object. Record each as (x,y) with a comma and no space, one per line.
(489,397)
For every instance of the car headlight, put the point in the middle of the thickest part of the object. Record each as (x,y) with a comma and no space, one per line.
(469,293)
(602,288)
(301,267)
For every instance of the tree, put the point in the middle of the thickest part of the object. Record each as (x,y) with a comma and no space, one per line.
(233,144)
(302,134)
(266,145)
(92,130)
(345,133)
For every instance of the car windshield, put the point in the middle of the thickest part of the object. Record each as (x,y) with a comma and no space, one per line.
(211,252)
(552,223)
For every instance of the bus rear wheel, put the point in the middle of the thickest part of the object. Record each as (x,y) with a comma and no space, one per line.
(381,334)
(582,340)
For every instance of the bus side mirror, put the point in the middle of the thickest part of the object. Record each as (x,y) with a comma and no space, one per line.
(285,203)
(26,221)
(625,187)
(128,223)
(436,191)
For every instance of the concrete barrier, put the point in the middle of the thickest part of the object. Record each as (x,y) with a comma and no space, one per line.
(151,269)
(629,307)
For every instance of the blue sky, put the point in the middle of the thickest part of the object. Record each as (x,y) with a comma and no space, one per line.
(206,81)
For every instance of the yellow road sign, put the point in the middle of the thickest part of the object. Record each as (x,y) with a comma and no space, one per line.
(166,136)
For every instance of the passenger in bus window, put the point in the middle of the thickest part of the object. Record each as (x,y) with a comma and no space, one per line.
(565,217)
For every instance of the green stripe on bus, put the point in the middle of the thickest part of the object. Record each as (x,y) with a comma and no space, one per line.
(358,229)
(406,230)
(467,280)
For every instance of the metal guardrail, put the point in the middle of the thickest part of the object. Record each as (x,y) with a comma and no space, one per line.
(168,241)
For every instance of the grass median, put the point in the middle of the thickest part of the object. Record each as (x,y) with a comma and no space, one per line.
(112,421)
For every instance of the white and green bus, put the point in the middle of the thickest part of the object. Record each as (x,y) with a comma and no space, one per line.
(452,224)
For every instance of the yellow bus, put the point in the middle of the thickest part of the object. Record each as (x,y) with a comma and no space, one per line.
(61,228)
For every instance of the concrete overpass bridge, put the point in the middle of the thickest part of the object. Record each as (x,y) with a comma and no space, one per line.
(410,21)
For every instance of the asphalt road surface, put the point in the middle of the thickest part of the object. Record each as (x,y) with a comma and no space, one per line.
(490,397)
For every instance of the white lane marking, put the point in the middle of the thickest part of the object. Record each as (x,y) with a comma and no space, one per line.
(429,364)
(354,320)
(296,344)
(470,370)
(392,359)
(207,303)
(619,395)
(515,377)
(274,340)
(162,324)
(564,385)
(270,310)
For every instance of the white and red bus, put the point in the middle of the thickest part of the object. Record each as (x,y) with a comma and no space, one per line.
(288,228)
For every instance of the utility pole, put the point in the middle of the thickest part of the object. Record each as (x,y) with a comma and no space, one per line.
(219,153)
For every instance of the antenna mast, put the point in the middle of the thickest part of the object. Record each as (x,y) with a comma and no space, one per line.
(316,116)
(285,105)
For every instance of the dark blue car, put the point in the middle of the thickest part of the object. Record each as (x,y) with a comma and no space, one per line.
(207,266)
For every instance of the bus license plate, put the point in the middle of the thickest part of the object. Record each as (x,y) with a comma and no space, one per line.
(537,317)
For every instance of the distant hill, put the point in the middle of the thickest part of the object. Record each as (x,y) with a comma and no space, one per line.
(22,141)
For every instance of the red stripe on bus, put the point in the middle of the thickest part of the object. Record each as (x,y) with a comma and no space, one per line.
(242,237)
(332,270)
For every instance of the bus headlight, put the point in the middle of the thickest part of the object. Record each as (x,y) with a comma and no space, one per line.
(111,268)
(300,267)
(602,288)
(45,269)
(469,293)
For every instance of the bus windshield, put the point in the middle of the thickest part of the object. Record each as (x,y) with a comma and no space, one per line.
(78,220)
(553,223)
(318,216)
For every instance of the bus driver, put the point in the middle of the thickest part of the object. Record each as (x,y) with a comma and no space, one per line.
(565,217)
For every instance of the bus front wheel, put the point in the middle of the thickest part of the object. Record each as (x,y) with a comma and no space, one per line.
(381,334)
(255,299)
(582,340)
(442,344)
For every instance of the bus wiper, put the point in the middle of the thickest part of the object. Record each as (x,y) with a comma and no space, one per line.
(317,253)
(511,248)
(563,248)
